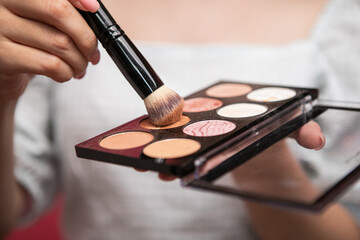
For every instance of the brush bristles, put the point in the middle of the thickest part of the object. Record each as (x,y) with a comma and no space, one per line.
(164,106)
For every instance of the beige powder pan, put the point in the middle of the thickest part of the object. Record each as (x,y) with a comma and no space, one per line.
(126,140)
(172,148)
(226,90)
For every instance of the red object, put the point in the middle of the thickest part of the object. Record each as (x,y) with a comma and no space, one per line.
(47,227)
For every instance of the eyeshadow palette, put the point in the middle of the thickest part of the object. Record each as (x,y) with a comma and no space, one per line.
(213,119)
(222,128)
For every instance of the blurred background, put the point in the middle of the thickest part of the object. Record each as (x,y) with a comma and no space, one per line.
(45,228)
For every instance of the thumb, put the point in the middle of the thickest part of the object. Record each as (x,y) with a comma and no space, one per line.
(310,136)
(86,5)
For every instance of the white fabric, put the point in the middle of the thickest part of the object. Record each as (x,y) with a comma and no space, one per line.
(105,201)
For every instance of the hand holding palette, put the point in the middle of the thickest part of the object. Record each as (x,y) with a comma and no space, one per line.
(222,127)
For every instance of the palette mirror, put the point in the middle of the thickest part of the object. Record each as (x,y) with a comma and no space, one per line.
(310,180)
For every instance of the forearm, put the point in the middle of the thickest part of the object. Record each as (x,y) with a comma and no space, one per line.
(71,47)
(11,201)
(271,223)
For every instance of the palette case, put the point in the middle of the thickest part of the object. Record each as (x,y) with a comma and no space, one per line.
(245,131)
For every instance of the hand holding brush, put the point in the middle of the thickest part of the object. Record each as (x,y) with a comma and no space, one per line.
(164,106)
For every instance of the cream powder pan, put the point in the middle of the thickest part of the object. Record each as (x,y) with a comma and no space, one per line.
(271,94)
(242,110)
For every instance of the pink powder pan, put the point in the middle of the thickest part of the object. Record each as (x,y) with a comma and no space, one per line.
(222,127)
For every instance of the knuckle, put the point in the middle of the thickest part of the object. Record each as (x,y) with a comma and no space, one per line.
(64,77)
(81,67)
(60,9)
(89,42)
(52,64)
(54,67)
(62,42)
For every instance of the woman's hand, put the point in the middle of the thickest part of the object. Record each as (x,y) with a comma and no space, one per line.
(308,136)
(44,37)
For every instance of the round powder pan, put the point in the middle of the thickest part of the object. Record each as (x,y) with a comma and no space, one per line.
(227,90)
(126,140)
(209,128)
(148,125)
(271,94)
(172,148)
(242,110)
(201,104)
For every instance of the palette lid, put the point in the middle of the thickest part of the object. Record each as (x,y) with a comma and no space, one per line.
(286,174)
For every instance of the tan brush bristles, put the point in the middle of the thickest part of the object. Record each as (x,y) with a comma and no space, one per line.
(164,106)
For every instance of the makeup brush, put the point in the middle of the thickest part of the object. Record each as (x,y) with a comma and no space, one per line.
(163,105)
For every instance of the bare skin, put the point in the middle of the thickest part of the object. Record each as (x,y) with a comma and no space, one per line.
(201,21)
(73,46)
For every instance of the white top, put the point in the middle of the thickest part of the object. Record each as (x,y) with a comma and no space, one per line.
(105,201)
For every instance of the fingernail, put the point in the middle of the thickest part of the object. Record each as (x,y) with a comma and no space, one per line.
(323,141)
(95,59)
(94,6)
(81,75)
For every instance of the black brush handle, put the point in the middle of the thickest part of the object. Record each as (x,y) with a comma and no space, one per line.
(126,56)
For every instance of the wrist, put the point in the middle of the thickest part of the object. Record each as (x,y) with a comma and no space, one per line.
(11,88)
(7,107)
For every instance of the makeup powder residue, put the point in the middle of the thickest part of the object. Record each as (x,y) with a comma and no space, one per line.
(225,90)
(241,110)
(209,128)
(172,148)
(201,104)
(126,140)
(271,94)
(148,125)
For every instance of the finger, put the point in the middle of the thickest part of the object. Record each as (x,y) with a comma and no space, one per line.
(310,136)
(166,177)
(22,59)
(140,170)
(162,176)
(86,5)
(38,35)
(62,15)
